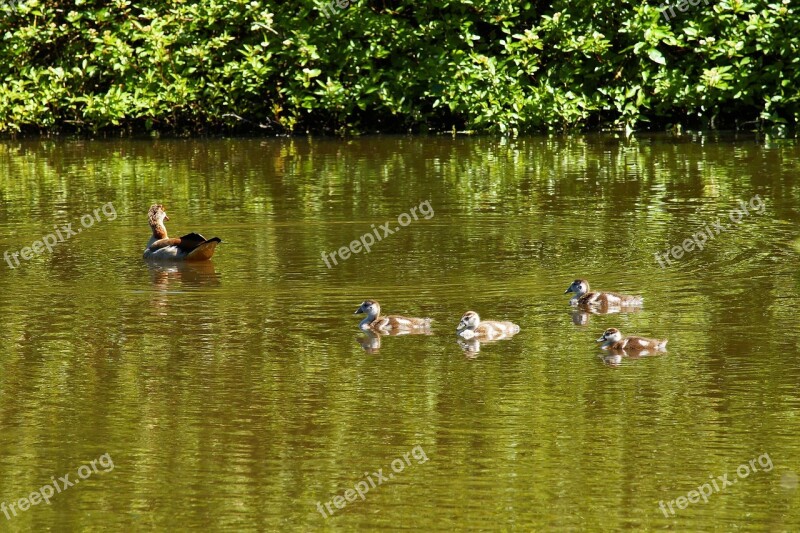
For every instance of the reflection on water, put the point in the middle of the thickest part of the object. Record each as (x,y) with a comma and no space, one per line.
(231,394)
(370,341)
(580,315)
(472,346)
(183,275)
(615,357)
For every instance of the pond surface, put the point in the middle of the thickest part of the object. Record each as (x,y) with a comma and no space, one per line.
(236,395)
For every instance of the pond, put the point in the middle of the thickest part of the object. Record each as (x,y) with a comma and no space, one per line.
(240,394)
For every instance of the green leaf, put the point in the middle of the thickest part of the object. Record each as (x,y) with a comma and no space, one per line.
(656,56)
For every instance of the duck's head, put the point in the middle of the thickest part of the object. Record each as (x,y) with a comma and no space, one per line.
(157,215)
(610,335)
(370,307)
(470,320)
(579,287)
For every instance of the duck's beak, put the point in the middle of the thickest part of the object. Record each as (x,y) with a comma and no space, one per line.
(461,325)
(569,289)
(359,311)
(602,338)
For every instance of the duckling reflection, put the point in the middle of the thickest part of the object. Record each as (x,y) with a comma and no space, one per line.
(580,315)
(371,340)
(612,359)
(580,318)
(471,346)
(615,357)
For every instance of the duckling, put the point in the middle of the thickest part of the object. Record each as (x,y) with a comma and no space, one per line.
(471,325)
(604,299)
(612,340)
(392,323)
(190,247)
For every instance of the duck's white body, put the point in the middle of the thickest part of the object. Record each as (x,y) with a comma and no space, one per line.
(165,253)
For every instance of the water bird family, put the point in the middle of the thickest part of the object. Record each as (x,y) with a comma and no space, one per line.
(195,247)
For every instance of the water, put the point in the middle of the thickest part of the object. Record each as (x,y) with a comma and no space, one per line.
(237,394)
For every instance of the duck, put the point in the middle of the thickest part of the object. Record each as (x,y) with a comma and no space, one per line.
(190,247)
(583,297)
(471,326)
(612,339)
(390,323)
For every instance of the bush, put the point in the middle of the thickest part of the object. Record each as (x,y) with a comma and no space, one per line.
(485,65)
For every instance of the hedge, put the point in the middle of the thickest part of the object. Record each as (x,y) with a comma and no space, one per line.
(394,66)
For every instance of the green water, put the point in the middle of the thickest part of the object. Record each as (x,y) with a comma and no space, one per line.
(237,394)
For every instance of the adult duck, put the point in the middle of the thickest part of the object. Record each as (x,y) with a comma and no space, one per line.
(190,247)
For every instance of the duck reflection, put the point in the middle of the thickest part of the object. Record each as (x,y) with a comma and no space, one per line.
(615,357)
(580,315)
(184,274)
(371,340)
(175,277)
(472,345)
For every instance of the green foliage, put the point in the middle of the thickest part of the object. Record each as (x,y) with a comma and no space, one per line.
(485,65)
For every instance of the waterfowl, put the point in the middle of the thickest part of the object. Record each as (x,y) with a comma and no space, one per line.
(612,339)
(471,325)
(387,324)
(190,247)
(584,297)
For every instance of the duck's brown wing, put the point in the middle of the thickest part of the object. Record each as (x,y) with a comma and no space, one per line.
(197,248)
(587,299)
(163,243)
